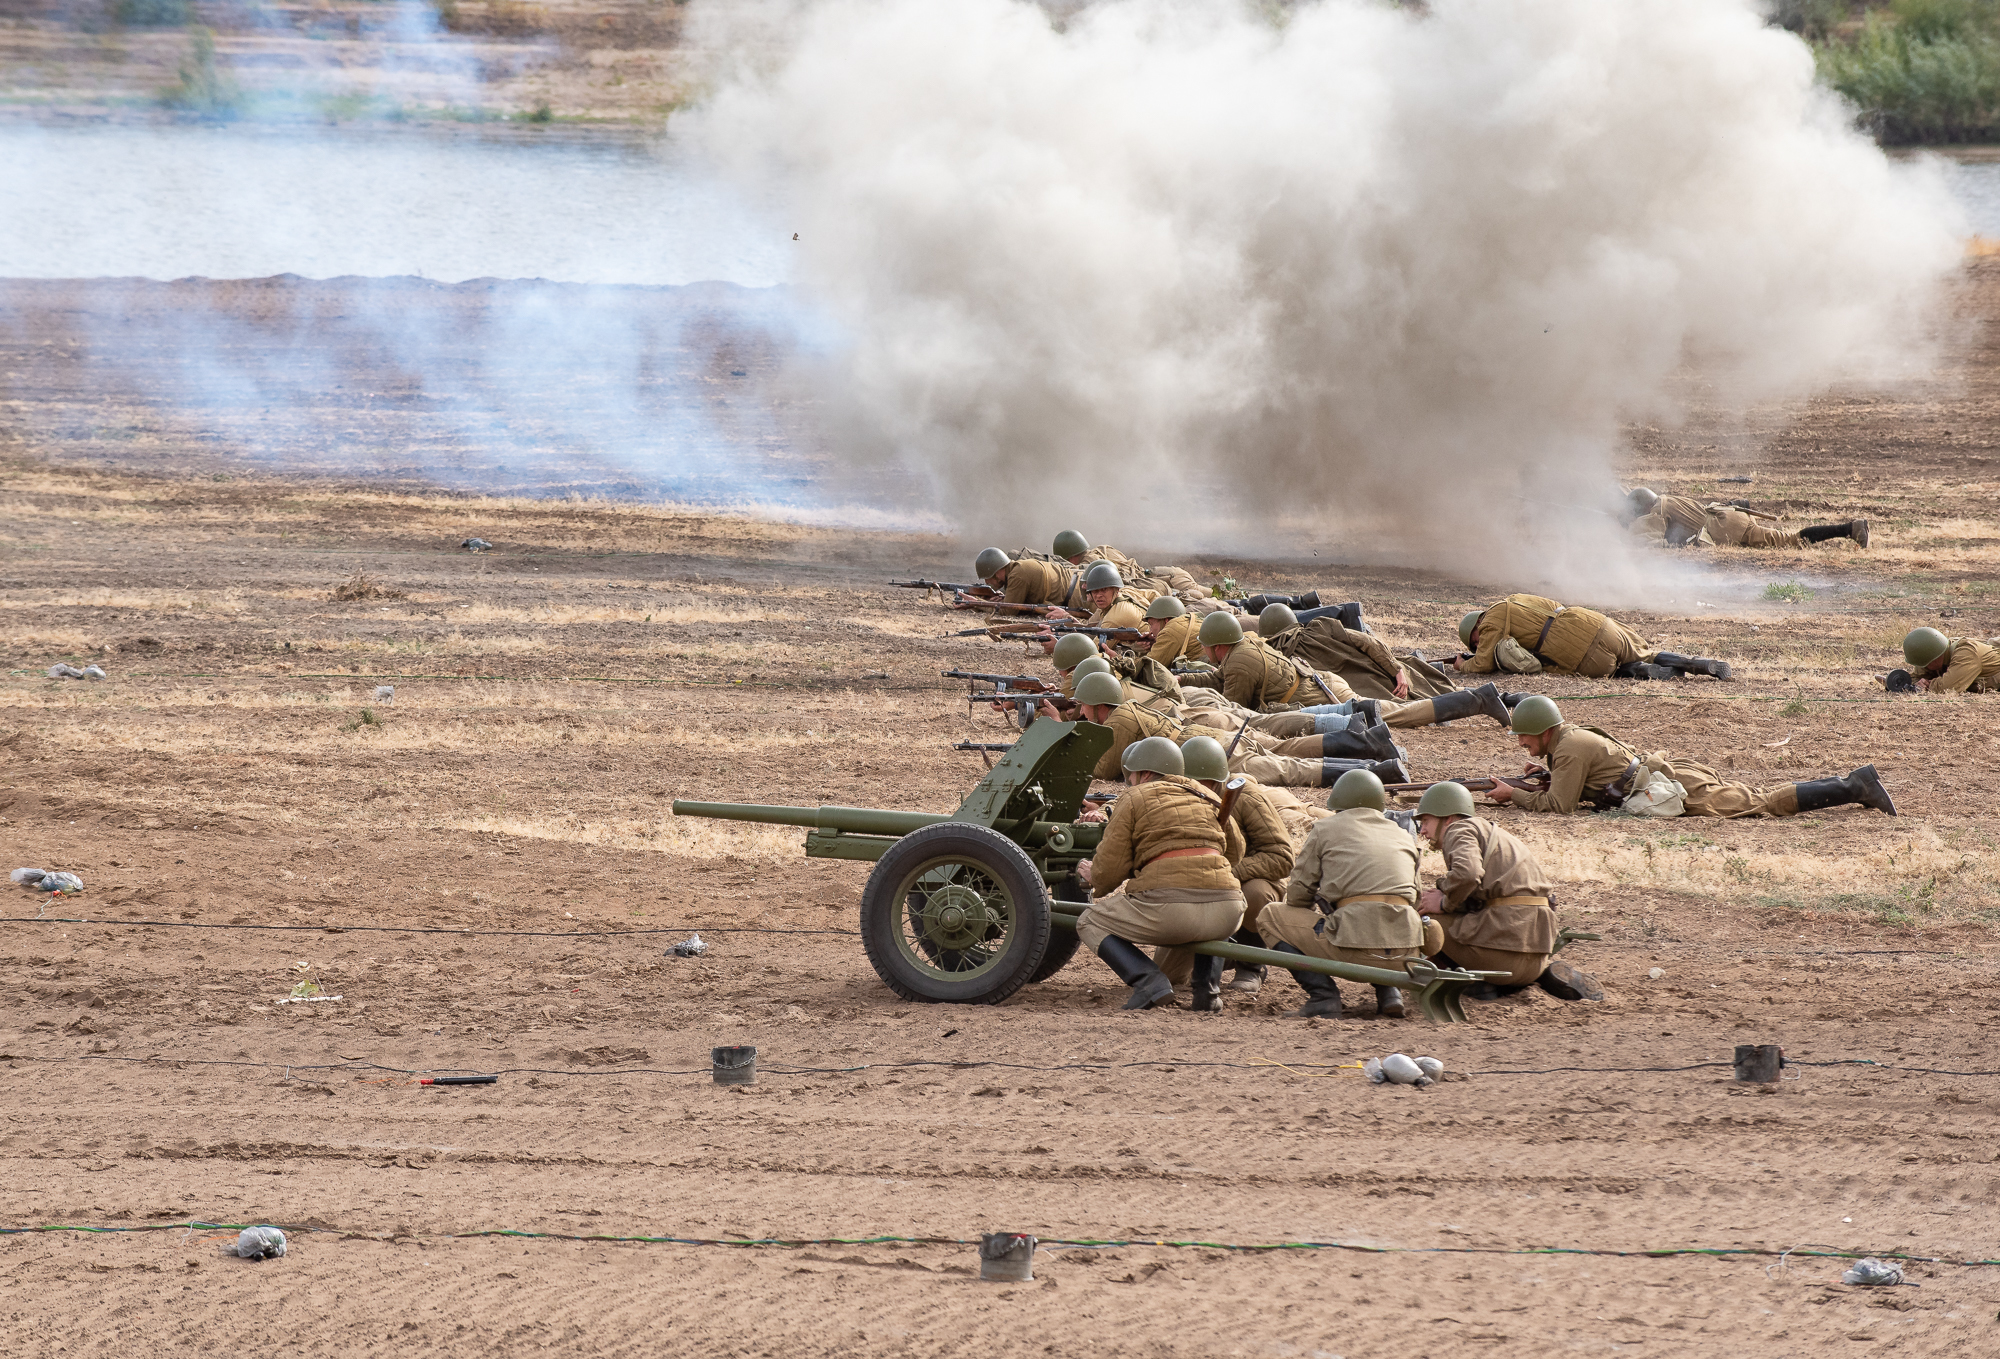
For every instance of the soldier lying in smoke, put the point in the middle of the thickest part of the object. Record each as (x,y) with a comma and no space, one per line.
(1682,521)
(1528,634)
(1945,665)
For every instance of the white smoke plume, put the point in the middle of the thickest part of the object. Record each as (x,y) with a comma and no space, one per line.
(1382,279)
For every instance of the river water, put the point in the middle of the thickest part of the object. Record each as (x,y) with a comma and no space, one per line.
(235,202)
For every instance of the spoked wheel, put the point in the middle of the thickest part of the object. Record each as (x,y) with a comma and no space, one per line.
(1063,943)
(955,912)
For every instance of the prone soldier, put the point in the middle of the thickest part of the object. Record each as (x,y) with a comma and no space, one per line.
(1942,665)
(1683,521)
(1329,648)
(1173,630)
(1113,603)
(1162,874)
(1493,901)
(1586,764)
(1352,897)
(1028,581)
(1526,634)
(1074,548)
(1248,672)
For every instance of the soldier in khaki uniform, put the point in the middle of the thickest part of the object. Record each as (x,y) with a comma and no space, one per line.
(1114,604)
(1074,548)
(1249,673)
(1267,860)
(1101,699)
(1352,898)
(1944,666)
(1493,901)
(1358,657)
(1530,633)
(1586,764)
(1174,632)
(1324,640)
(1029,581)
(1682,521)
(1162,875)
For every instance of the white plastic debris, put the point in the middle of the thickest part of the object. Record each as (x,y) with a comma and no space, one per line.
(1872,1273)
(44,880)
(1432,1067)
(691,947)
(1656,973)
(476,545)
(258,1243)
(61,671)
(1372,1069)
(385,693)
(1403,1071)
(93,672)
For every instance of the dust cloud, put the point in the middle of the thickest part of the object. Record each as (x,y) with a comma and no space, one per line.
(1340,274)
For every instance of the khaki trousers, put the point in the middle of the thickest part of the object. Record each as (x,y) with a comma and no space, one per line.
(1521,968)
(1614,645)
(1734,528)
(1709,795)
(1294,925)
(1257,894)
(1278,771)
(1166,916)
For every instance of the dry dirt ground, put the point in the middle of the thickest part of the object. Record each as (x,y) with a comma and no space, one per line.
(484,871)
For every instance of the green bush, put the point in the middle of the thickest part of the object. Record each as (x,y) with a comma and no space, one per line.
(203,87)
(1922,70)
(152,13)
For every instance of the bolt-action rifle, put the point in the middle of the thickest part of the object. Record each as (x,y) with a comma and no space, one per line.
(1122,635)
(976,591)
(965,600)
(1535,782)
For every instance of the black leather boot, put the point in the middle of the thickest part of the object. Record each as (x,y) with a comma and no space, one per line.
(1564,982)
(1254,604)
(1471,703)
(1857,529)
(1361,742)
(1206,982)
(1645,670)
(1322,992)
(1693,665)
(1512,701)
(1388,1003)
(1368,708)
(1149,985)
(1350,617)
(1389,771)
(1308,600)
(1863,787)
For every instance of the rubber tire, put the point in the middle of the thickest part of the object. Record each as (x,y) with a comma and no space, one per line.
(883,904)
(1063,944)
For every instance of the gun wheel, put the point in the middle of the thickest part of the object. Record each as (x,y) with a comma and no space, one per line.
(955,912)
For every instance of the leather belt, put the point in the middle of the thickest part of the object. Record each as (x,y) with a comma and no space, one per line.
(1619,788)
(1296,681)
(1518,899)
(1371,896)
(1178,854)
(1543,636)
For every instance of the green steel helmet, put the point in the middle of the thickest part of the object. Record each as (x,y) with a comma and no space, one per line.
(990,562)
(1205,759)
(1102,576)
(1643,501)
(1221,629)
(1534,715)
(1070,543)
(1446,799)
(1166,606)
(1091,665)
(1102,687)
(1925,645)
(1467,624)
(1357,788)
(1072,647)
(1275,619)
(1155,754)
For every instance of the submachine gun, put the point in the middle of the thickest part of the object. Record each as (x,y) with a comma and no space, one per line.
(969,906)
(1022,693)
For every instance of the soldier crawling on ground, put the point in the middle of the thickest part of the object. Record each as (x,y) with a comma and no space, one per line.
(1682,521)
(1943,665)
(1589,765)
(1527,634)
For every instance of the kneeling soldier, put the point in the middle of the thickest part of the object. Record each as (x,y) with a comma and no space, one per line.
(1586,764)
(1493,901)
(1162,875)
(1267,848)
(1352,898)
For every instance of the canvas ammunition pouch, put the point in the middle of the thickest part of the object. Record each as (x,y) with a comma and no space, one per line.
(1516,659)
(1614,793)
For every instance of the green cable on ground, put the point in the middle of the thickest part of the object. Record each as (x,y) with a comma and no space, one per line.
(1082,1243)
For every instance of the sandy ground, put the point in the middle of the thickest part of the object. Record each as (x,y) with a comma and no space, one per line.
(484,870)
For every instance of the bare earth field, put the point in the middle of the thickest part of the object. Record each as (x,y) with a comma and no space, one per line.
(484,870)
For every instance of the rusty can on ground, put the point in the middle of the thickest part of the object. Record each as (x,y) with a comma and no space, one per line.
(1759,1063)
(734,1066)
(1006,1257)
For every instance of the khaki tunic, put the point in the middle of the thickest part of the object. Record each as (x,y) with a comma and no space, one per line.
(1256,676)
(1357,853)
(1038,582)
(1581,641)
(1147,899)
(1585,761)
(1260,873)
(1126,611)
(1496,916)
(1363,664)
(1179,640)
(1971,668)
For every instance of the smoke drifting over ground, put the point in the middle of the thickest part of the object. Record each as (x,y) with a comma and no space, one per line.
(1371,275)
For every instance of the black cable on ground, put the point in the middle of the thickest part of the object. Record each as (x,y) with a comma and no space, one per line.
(1069,1243)
(418,929)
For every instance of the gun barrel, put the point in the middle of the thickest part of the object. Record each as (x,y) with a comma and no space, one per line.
(851,820)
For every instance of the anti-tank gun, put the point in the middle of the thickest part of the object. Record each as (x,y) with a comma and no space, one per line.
(970,906)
